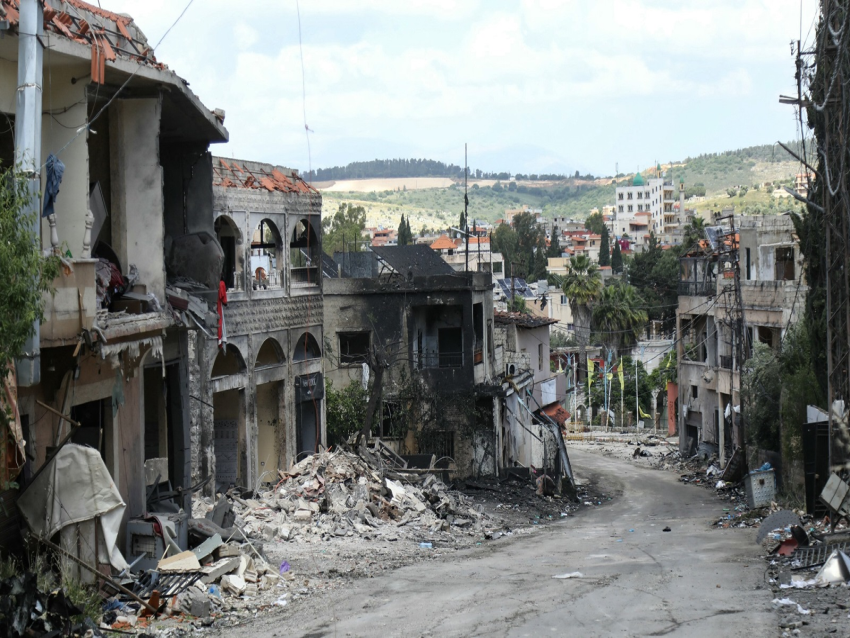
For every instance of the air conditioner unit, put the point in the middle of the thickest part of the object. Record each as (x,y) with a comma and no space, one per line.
(510,369)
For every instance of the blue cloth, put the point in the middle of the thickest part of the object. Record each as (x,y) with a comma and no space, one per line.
(55,171)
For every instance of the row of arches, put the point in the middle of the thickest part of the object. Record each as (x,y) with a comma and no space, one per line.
(265,263)
(230,361)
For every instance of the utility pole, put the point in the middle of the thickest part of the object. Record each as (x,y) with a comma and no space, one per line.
(466,205)
(28,152)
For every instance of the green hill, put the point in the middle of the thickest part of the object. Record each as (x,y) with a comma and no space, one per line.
(438,208)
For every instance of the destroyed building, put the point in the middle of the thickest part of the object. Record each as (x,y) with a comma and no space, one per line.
(259,389)
(134,199)
(531,395)
(434,328)
(773,294)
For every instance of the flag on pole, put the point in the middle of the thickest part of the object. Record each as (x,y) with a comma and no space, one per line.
(643,414)
(589,373)
(620,374)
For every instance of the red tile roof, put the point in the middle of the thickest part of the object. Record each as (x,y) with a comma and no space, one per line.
(109,34)
(229,174)
(443,243)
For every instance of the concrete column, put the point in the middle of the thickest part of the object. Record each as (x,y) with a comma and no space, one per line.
(137,196)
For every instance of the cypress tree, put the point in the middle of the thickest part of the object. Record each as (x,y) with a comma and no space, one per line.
(604,249)
(616,258)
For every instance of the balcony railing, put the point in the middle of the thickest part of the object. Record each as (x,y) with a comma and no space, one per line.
(303,277)
(438,359)
(696,288)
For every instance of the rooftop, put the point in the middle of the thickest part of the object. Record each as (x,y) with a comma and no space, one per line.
(522,320)
(231,173)
(443,243)
(416,260)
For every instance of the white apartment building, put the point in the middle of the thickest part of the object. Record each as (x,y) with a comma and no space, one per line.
(659,198)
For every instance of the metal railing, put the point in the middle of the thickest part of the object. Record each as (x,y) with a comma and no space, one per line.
(438,359)
(696,288)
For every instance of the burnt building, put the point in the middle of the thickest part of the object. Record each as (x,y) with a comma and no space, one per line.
(433,328)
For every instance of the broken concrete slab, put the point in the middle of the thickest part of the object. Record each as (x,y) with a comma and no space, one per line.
(182,562)
(207,547)
(219,568)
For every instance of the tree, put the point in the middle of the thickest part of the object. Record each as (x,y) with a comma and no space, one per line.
(346,410)
(540,261)
(582,285)
(343,231)
(617,316)
(693,234)
(617,257)
(27,274)
(595,223)
(604,249)
(504,240)
(554,249)
(405,236)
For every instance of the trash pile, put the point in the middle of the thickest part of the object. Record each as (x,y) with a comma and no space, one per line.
(25,610)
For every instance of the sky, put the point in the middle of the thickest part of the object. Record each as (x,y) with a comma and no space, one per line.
(533,86)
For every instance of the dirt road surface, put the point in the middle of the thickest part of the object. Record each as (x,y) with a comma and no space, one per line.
(636,579)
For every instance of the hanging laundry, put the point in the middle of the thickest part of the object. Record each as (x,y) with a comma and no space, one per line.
(55,170)
(222,302)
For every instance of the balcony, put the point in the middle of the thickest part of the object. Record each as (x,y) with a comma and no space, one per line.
(304,277)
(438,360)
(726,361)
(696,288)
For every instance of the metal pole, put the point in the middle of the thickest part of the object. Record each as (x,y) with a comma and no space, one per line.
(466,205)
(28,153)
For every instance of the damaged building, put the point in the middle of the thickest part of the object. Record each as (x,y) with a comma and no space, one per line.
(532,395)
(772,293)
(259,388)
(433,328)
(134,197)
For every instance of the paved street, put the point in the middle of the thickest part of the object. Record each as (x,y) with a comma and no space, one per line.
(692,581)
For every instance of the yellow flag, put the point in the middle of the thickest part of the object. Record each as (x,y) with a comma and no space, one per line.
(620,374)
(589,372)
(610,376)
(643,414)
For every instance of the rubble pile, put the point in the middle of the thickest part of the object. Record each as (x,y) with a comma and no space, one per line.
(337,494)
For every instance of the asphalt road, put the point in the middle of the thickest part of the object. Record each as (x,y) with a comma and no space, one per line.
(691,581)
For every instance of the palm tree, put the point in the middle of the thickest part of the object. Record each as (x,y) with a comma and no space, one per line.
(617,316)
(582,285)
(692,234)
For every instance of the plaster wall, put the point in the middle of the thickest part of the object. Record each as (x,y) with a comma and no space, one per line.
(138,231)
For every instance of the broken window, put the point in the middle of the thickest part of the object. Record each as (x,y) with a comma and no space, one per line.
(784,264)
(228,236)
(392,421)
(769,336)
(450,347)
(440,443)
(478,326)
(694,392)
(306,348)
(304,255)
(353,347)
(266,251)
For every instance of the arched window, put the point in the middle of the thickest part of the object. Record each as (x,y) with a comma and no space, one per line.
(266,254)
(306,348)
(230,238)
(228,361)
(270,354)
(304,255)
